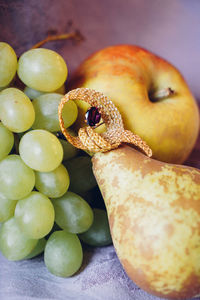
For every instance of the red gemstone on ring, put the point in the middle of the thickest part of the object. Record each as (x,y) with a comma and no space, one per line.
(93,116)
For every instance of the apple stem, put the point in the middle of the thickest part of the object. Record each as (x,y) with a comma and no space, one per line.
(161,94)
(76,35)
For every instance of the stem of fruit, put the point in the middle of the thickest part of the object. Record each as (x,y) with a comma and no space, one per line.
(76,35)
(161,94)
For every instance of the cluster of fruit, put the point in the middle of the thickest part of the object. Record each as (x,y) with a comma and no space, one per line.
(38,166)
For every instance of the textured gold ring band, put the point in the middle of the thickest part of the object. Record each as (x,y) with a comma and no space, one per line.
(115,134)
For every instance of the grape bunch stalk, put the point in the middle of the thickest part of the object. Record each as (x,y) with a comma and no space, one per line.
(49,199)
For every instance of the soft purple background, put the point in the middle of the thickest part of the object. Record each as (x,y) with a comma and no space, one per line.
(171,29)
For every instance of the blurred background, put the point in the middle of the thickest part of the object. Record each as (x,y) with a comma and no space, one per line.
(169,28)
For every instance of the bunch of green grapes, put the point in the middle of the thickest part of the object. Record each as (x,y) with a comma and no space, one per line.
(44,180)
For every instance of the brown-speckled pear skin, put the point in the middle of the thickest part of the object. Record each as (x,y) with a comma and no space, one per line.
(154,215)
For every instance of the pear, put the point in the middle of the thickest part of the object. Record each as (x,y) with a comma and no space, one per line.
(154,216)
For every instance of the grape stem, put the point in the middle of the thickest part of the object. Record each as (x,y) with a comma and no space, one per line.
(76,35)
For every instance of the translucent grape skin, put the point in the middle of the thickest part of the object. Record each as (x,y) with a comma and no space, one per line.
(53,184)
(14,245)
(98,234)
(42,69)
(81,176)
(35,215)
(41,150)
(46,112)
(7,141)
(3,88)
(63,254)
(33,94)
(7,208)
(17,112)
(69,151)
(38,249)
(16,179)
(8,64)
(73,213)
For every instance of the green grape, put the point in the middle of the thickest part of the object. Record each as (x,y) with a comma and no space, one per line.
(81,175)
(99,233)
(53,184)
(35,215)
(8,64)
(73,213)
(39,248)
(3,88)
(69,113)
(42,69)
(69,151)
(60,90)
(17,112)
(7,208)
(7,141)
(14,245)
(63,254)
(33,94)
(46,112)
(54,228)
(41,150)
(16,179)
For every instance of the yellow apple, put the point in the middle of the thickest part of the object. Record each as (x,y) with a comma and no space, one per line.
(151,95)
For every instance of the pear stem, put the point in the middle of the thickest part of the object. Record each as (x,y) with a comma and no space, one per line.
(161,94)
(76,35)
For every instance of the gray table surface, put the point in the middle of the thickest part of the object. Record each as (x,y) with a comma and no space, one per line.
(171,29)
